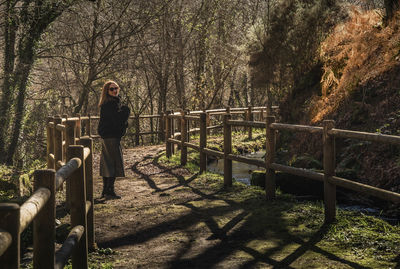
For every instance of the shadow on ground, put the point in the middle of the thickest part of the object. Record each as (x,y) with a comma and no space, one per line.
(216,229)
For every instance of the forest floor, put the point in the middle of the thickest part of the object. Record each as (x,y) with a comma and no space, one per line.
(170,217)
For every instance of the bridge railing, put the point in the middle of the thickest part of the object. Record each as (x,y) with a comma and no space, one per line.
(328,134)
(40,208)
(155,128)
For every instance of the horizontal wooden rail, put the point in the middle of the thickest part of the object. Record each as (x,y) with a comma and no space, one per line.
(194,130)
(191,145)
(32,206)
(390,139)
(130,117)
(65,252)
(298,171)
(254,124)
(236,109)
(5,241)
(146,116)
(297,128)
(366,189)
(176,141)
(60,127)
(64,172)
(146,133)
(193,118)
(174,116)
(212,152)
(242,159)
(86,152)
(215,127)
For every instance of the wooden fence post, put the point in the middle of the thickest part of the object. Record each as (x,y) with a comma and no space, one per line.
(172,125)
(262,114)
(249,117)
(58,143)
(78,207)
(89,126)
(50,143)
(270,184)
(44,229)
(329,171)
(167,134)
(137,130)
(78,126)
(183,138)
(88,142)
(10,222)
(207,121)
(203,142)
(70,139)
(161,127)
(227,151)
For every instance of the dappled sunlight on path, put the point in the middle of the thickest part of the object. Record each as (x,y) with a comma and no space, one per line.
(167,218)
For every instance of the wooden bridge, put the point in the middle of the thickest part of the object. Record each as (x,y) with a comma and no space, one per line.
(70,159)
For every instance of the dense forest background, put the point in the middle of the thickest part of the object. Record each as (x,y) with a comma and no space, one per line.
(316,59)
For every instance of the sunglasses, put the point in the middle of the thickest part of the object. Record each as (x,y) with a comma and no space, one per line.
(113,88)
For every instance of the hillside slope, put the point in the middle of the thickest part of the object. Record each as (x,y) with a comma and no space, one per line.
(360,90)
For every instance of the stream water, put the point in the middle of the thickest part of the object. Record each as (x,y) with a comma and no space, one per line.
(241,172)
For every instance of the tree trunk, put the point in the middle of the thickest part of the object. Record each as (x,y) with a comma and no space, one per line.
(21,79)
(10,28)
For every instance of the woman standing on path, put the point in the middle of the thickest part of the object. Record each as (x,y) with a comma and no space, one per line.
(112,127)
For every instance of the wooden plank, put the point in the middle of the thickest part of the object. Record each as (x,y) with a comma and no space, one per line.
(175,141)
(32,206)
(297,128)
(215,153)
(298,171)
(242,159)
(254,124)
(365,189)
(193,146)
(64,253)
(382,138)
(193,118)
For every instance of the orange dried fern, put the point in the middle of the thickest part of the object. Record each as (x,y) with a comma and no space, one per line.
(354,53)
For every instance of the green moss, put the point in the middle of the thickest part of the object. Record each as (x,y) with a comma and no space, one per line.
(286,228)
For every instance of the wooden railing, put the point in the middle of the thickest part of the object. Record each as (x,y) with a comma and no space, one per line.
(89,123)
(70,160)
(327,132)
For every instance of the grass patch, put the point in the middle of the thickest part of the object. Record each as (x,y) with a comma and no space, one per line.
(292,233)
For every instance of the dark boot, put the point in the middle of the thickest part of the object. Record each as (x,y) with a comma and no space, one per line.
(105,187)
(111,191)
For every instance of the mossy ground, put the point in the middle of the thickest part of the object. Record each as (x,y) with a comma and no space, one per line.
(287,228)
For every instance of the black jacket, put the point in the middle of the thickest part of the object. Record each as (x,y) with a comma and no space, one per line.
(113,119)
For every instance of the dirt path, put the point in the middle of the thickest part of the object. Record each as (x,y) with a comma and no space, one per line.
(149,227)
(169,218)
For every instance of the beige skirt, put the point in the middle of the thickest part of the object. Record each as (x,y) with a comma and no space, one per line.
(111,160)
